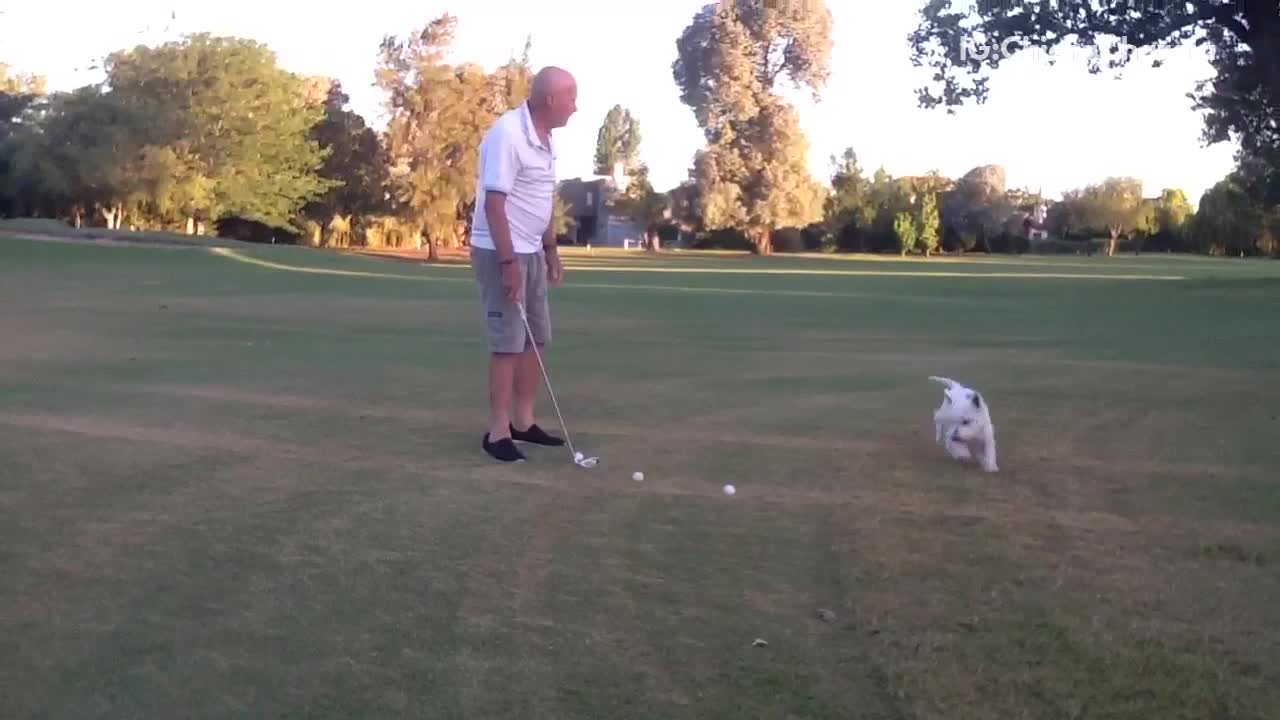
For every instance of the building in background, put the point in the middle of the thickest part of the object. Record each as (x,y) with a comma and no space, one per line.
(588,203)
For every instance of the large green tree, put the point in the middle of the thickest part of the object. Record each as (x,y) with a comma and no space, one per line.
(438,113)
(1241,102)
(848,209)
(19,157)
(1114,205)
(732,60)
(235,124)
(618,141)
(1232,222)
(1163,220)
(977,205)
(95,142)
(355,160)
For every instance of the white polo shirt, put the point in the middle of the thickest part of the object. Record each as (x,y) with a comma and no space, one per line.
(514,161)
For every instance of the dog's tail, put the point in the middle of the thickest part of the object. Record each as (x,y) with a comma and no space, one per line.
(943,380)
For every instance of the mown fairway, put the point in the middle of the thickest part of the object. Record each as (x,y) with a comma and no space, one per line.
(233,490)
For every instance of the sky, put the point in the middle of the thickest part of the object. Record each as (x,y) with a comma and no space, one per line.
(1052,128)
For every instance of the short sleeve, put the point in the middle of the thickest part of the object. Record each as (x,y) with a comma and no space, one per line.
(498,162)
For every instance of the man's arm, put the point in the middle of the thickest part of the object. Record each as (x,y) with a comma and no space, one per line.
(495,211)
(498,164)
(554,268)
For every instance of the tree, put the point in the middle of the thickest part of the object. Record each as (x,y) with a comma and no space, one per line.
(732,59)
(438,113)
(1241,102)
(355,161)
(904,229)
(890,197)
(1113,205)
(1172,211)
(237,123)
(644,206)
(848,209)
(96,142)
(561,220)
(618,141)
(928,238)
(23,168)
(1231,221)
(12,83)
(977,205)
(1062,217)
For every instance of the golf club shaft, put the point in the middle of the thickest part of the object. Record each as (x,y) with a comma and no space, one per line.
(547,379)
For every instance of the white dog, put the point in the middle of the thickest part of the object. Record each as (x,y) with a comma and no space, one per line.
(962,424)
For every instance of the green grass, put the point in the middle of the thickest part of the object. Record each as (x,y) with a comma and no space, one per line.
(234,490)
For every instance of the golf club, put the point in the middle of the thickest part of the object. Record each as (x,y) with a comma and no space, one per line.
(578,458)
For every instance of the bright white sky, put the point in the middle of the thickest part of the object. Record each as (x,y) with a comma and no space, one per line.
(1051,128)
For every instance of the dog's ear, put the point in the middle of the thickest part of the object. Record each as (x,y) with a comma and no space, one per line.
(977,401)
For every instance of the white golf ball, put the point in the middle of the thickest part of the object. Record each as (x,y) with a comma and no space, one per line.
(637,476)
(729,490)
(577,457)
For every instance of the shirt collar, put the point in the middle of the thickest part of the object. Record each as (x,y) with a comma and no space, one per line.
(530,132)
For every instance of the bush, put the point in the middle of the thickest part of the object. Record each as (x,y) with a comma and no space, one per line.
(788,240)
(385,232)
(1055,246)
(850,238)
(723,239)
(999,243)
(246,230)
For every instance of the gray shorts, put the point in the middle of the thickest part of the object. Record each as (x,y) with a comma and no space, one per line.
(504,328)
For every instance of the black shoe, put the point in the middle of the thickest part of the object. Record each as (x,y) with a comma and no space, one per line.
(504,450)
(535,435)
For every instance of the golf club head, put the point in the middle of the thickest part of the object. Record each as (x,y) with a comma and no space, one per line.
(586,462)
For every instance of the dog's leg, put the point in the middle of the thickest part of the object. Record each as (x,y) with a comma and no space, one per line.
(957,450)
(989,450)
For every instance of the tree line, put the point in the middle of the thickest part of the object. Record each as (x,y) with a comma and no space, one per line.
(209,134)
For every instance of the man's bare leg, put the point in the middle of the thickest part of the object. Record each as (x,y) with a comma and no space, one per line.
(528,380)
(528,377)
(502,374)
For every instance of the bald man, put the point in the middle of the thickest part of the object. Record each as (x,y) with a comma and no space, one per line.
(514,255)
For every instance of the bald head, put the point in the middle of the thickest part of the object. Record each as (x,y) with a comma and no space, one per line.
(553,97)
(550,81)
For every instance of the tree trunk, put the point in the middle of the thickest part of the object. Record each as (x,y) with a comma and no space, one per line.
(191,225)
(433,251)
(75,216)
(112,216)
(1111,241)
(654,241)
(764,243)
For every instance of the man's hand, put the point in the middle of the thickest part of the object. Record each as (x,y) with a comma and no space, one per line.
(555,268)
(513,281)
